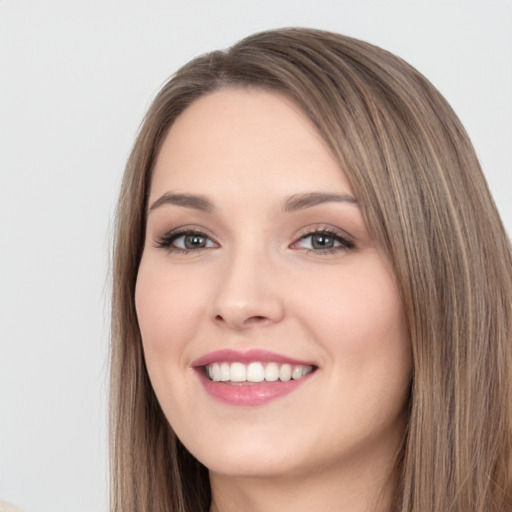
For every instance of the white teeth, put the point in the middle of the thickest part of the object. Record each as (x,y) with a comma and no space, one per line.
(216,372)
(238,372)
(256,372)
(285,373)
(224,372)
(271,372)
(297,372)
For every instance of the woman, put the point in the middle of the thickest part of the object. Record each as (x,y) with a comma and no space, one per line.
(312,292)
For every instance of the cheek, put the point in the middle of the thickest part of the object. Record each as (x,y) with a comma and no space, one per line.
(360,324)
(358,318)
(168,307)
(356,309)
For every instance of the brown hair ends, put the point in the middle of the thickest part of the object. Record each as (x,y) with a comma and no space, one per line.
(425,200)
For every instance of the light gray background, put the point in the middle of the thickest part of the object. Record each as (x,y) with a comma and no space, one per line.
(75,80)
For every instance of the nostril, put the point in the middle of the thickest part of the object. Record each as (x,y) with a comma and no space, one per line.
(255,319)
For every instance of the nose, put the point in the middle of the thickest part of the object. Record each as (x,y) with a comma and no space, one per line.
(248,293)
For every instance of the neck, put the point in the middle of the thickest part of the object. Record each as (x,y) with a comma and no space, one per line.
(353,488)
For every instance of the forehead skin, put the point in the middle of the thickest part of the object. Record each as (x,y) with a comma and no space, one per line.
(217,123)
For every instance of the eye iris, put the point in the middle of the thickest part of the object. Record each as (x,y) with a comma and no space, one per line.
(322,241)
(194,241)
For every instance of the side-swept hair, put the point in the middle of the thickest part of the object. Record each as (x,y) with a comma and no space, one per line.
(425,201)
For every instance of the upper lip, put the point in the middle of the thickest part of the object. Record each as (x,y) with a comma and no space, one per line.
(246,357)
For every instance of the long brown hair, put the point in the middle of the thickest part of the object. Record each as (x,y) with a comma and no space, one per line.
(425,200)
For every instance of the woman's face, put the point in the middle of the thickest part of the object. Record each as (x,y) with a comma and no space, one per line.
(272,327)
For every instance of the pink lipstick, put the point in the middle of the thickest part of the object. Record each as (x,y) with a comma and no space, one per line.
(250,378)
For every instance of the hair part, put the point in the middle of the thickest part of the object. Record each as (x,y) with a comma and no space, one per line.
(425,201)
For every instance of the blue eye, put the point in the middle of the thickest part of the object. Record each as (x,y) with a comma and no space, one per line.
(186,241)
(323,242)
(320,241)
(191,241)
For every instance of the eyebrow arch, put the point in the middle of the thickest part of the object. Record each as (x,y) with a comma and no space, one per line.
(196,202)
(301,201)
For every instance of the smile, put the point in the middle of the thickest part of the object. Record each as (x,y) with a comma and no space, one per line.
(250,378)
(238,372)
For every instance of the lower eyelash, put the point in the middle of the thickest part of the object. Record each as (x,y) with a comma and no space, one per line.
(165,242)
(345,243)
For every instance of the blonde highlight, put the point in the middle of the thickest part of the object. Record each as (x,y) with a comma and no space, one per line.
(426,202)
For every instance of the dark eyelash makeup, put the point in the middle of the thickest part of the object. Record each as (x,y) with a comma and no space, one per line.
(192,240)
(322,240)
(325,237)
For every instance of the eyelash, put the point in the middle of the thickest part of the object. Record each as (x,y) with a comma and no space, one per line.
(167,240)
(344,242)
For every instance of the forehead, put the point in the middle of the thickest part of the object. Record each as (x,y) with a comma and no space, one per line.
(245,137)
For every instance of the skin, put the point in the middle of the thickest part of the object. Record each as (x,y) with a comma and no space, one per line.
(260,283)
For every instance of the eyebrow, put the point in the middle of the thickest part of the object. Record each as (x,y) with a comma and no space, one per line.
(195,202)
(291,204)
(301,201)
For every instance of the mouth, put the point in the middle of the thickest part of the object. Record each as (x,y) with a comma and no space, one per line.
(257,371)
(250,378)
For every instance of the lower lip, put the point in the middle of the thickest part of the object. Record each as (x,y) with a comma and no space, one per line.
(250,394)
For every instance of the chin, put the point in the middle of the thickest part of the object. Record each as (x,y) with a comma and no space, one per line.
(258,457)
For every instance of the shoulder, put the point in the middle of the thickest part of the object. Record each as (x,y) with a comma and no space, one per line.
(7,507)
